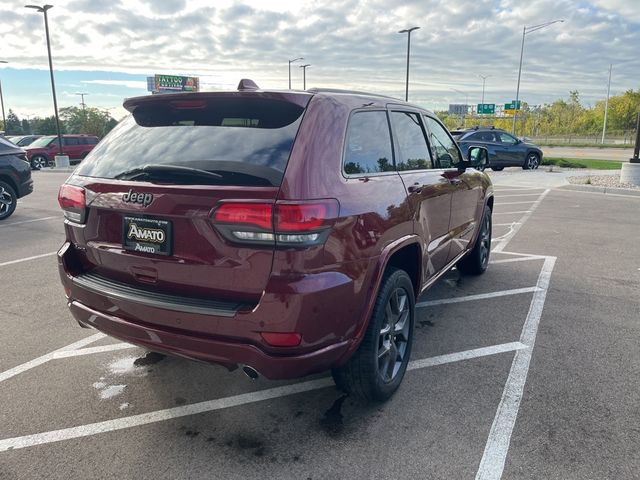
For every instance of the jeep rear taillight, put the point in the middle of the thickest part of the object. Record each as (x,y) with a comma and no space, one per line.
(283,224)
(73,202)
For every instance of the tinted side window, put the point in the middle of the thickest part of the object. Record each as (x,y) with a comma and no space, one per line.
(506,138)
(92,141)
(442,145)
(368,145)
(413,151)
(71,141)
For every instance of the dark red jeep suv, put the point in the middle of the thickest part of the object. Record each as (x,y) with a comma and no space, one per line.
(284,232)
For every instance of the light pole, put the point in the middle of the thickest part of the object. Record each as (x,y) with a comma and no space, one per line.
(525,31)
(43,10)
(304,75)
(484,79)
(290,62)
(606,104)
(408,32)
(4,120)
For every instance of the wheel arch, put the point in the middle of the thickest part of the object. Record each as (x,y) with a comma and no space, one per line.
(399,254)
(7,179)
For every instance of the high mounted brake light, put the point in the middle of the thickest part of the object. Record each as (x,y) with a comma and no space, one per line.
(284,223)
(73,202)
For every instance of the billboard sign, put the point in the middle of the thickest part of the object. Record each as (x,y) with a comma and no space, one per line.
(458,109)
(176,83)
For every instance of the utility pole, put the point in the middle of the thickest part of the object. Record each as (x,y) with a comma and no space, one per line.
(484,78)
(4,119)
(606,105)
(290,62)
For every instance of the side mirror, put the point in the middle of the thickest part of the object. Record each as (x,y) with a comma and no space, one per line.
(478,157)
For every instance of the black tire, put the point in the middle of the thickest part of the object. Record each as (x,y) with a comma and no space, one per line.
(532,161)
(8,200)
(39,161)
(369,375)
(497,169)
(477,260)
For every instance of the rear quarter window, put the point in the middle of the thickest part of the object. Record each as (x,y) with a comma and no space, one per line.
(246,140)
(368,144)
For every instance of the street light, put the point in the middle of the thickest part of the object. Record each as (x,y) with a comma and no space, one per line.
(408,32)
(4,120)
(43,10)
(525,31)
(304,75)
(290,62)
(484,79)
(606,105)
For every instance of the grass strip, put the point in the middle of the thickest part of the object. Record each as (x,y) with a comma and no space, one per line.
(589,163)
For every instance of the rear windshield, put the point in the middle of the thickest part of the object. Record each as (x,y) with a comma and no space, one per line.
(246,141)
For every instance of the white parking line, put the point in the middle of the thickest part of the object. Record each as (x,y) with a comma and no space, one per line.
(90,351)
(27,259)
(497,447)
(503,242)
(519,259)
(508,213)
(497,204)
(479,296)
(505,224)
(227,402)
(521,195)
(12,372)
(30,221)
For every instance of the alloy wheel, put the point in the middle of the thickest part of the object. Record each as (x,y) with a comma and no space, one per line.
(532,161)
(39,161)
(485,240)
(6,201)
(394,335)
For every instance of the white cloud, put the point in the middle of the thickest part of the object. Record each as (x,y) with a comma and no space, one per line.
(350,43)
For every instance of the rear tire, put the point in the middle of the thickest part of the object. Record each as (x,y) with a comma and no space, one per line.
(8,200)
(377,368)
(39,161)
(532,161)
(497,169)
(477,260)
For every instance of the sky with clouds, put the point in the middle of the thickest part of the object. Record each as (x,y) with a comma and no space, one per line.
(106,48)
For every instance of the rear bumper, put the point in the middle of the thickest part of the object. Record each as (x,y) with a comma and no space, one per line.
(323,308)
(210,350)
(25,188)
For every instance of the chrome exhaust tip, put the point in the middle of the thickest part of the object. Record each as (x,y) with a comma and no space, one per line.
(250,372)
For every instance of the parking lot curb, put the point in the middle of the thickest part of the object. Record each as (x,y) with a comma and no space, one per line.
(595,189)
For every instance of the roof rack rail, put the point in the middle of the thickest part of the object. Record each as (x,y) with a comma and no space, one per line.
(348,92)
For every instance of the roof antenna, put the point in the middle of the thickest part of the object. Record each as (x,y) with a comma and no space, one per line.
(246,84)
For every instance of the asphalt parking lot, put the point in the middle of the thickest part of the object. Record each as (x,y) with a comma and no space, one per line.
(529,371)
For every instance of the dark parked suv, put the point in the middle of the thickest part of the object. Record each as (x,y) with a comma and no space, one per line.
(283,232)
(15,177)
(504,149)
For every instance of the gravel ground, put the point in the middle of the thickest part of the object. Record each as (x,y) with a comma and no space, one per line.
(612,181)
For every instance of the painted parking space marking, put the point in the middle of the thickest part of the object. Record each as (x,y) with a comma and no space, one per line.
(479,296)
(498,204)
(27,259)
(497,446)
(91,350)
(22,222)
(511,213)
(520,195)
(503,242)
(505,224)
(36,362)
(227,402)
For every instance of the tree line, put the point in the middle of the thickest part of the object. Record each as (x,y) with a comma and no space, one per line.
(564,117)
(92,121)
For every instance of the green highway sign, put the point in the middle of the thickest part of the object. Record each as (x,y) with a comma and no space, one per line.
(486,109)
(511,106)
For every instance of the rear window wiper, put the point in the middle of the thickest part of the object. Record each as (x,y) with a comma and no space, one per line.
(166,172)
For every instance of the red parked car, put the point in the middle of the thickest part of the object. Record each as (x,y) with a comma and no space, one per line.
(43,150)
(284,232)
